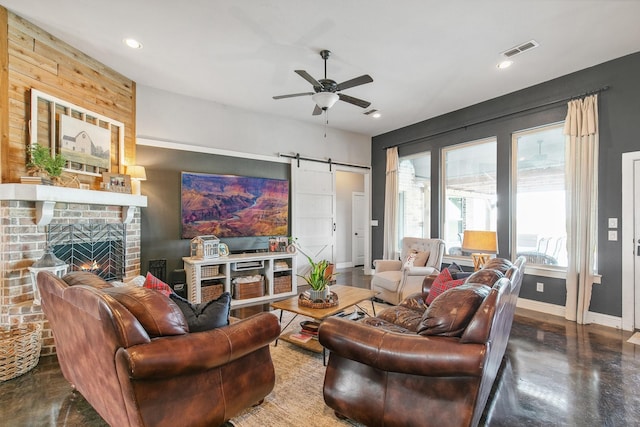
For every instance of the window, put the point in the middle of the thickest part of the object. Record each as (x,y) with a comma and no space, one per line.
(414,196)
(539,220)
(469,191)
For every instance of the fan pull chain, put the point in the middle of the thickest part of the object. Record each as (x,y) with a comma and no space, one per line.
(326,122)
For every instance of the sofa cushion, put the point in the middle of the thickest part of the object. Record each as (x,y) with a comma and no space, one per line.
(385,325)
(158,315)
(152,282)
(205,316)
(402,316)
(486,276)
(443,282)
(387,279)
(451,311)
(500,264)
(86,278)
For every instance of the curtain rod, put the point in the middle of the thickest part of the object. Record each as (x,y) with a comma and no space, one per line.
(513,113)
(328,161)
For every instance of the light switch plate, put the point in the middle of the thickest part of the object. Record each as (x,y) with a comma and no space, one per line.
(374,222)
(613,235)
(613,222)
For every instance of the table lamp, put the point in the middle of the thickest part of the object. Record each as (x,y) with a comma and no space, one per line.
(137,174)
(481,244)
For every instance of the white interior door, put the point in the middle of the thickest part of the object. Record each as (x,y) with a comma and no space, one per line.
(358,221)
(636,241)
(313,211)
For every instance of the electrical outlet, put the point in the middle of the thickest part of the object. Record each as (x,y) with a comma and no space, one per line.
(613,235)
(613,222)
(540,287)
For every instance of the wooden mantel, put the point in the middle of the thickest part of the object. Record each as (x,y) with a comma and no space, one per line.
(46,196)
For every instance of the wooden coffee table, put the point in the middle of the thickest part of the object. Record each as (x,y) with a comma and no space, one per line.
(348,296)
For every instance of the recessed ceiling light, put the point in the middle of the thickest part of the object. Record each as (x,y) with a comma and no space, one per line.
(133,43)
(504,64)
(376,115)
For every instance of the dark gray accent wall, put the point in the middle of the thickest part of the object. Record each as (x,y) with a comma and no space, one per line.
(619,117)
(160,220)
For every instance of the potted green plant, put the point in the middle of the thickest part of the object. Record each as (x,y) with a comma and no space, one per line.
(318,279)
(319,275)
(41,162)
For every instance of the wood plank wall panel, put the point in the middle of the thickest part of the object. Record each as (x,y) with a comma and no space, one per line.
(36,59)
(4,85)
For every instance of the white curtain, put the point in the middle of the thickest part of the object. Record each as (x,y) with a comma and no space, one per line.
(391,205)
(581,130)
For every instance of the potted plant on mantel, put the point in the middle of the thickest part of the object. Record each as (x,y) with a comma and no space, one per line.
(42,163)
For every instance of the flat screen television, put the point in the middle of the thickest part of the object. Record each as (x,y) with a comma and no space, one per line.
(231,206)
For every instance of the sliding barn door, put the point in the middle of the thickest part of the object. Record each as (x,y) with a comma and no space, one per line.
(313,211)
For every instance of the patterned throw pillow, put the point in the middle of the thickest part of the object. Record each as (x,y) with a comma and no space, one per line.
(152,282)
(443,282)
(408,263)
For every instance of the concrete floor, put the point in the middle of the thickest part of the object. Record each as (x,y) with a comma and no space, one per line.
(555,373)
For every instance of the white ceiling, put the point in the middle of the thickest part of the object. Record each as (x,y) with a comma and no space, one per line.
(427,57)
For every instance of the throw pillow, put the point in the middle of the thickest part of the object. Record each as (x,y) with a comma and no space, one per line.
(443,282)
(457,273)
(207,315)
(451,312)
(152,282)
(158,315)
(408,262)
(421,259)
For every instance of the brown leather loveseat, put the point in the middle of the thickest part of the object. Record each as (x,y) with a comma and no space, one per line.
(419,365)
(129,353)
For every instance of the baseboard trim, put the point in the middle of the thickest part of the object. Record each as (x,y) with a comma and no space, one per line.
(344,264)
(604,320)
(558,310)
(542,307)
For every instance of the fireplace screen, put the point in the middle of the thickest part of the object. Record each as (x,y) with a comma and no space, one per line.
(98,248)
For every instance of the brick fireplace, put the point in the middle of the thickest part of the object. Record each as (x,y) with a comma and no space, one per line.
(28,212)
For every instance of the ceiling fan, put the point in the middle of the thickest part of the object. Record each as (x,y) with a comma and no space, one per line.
(325,95)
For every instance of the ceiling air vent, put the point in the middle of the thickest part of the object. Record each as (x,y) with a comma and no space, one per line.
(520,48)
(369,112)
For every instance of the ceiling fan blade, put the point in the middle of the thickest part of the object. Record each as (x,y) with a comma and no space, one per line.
(355,101)
(316,111)
(307,77)
(292,95)
(363,79)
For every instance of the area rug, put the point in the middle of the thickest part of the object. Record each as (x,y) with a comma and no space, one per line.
(296,399)
(635,339)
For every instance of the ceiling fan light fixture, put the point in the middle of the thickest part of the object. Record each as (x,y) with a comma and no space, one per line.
(325,100)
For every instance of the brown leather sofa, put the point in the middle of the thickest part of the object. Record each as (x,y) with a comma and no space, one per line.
(129,353)
(419,365)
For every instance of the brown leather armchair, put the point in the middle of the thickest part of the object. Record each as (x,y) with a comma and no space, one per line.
(418,365)
(134,361)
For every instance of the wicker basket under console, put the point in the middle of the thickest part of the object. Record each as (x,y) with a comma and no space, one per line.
(244,288)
